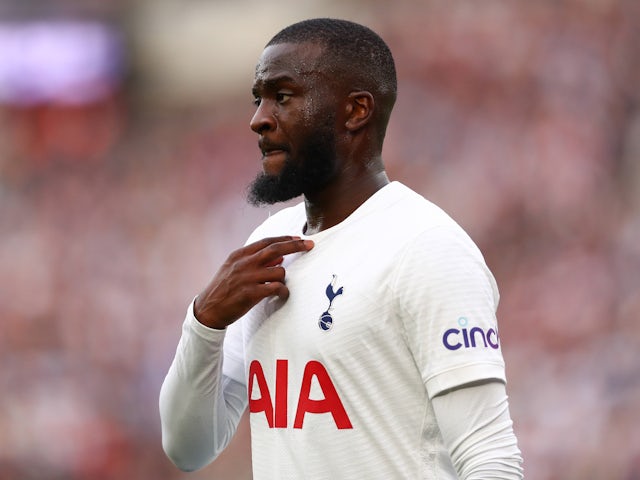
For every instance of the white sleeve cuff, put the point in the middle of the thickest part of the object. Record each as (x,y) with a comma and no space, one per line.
(463,375)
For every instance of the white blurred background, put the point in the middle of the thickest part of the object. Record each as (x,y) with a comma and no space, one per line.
(124,156)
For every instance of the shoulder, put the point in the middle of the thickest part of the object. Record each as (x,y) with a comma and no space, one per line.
(430,243)
(417,222)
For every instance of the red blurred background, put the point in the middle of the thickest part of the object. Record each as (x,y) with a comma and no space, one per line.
(124,155)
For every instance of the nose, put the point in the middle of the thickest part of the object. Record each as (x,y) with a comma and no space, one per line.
(263,120)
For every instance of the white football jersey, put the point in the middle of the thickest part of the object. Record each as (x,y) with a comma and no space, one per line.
(392,306)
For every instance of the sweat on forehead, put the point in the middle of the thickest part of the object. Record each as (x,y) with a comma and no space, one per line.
(351,47)
(297,59)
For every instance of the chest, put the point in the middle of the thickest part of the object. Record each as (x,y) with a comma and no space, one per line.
(337,301)
(319,350)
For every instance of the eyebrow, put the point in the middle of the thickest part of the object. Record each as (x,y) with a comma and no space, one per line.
(271,83)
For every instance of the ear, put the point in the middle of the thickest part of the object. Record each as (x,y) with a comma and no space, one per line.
(359,110)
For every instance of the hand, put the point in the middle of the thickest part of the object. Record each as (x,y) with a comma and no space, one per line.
(247,276)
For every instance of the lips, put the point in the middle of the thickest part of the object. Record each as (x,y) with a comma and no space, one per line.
(269,153)
(268,148)
(274,157)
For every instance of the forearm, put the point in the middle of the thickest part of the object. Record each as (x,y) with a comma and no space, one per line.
(199,407)
(477,429)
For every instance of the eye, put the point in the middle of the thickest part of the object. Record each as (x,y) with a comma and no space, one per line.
(257,100)
(282,97)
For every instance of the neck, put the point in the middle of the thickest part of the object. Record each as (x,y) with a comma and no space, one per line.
(340,199)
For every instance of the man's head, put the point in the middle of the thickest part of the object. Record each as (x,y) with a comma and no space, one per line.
(352,52)
(318,82)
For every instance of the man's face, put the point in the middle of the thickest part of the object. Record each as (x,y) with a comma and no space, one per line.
(295,119)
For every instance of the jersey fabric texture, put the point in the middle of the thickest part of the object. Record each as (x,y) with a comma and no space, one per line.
(392,307)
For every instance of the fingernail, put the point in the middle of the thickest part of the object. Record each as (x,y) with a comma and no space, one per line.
(309,244)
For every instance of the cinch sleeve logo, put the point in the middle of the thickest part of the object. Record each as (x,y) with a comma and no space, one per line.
(475,337)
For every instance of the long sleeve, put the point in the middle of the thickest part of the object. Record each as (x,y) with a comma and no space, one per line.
(199,407)
(477,429)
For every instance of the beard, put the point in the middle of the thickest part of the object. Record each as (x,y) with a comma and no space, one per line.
(314,170)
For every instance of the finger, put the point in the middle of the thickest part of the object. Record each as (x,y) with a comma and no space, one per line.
(271,253)
(265,242)
(279,290)
(270,274)
(282,292)
(274,262)
(271,289)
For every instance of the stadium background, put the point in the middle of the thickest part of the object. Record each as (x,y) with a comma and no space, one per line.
(125,151)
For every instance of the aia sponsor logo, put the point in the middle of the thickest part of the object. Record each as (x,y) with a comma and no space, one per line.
(272,400)
(467,336)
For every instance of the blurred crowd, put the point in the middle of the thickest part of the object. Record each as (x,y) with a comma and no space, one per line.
(521,119)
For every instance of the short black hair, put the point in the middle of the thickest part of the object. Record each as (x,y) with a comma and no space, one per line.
(357,50)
